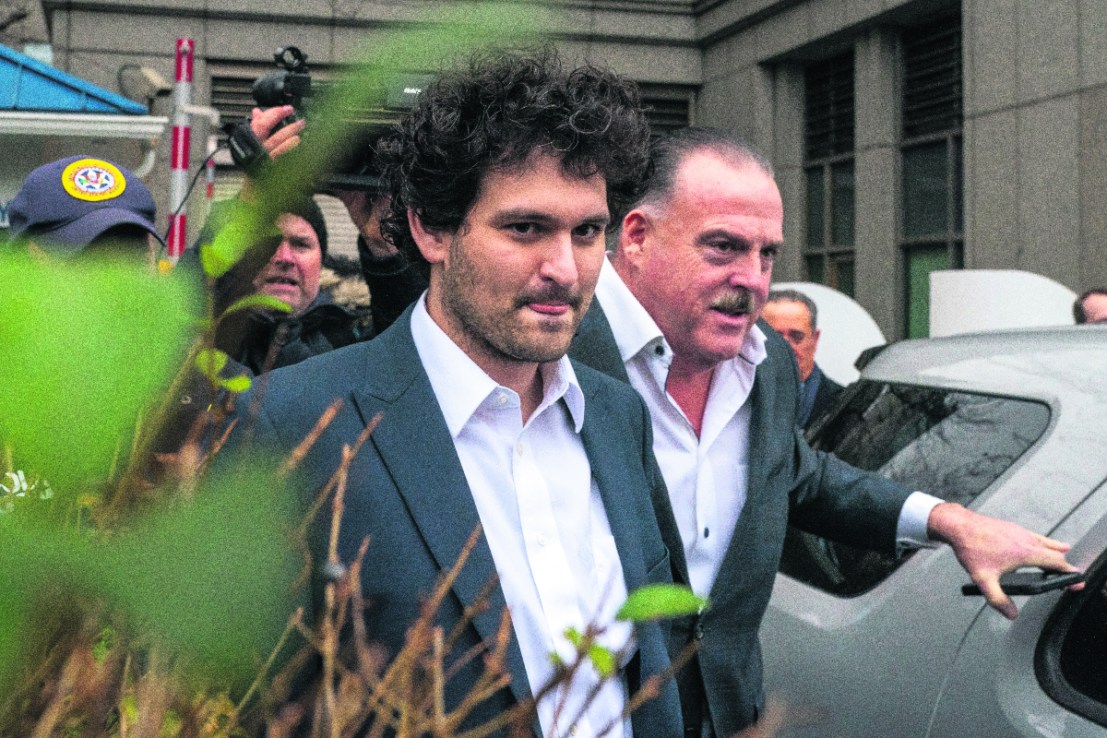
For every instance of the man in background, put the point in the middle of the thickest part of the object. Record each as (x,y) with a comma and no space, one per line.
(81,205)
(288,268)
(1091,307)
(794,316)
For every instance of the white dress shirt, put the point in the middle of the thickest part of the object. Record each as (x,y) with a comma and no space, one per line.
(707,475)
(543,519)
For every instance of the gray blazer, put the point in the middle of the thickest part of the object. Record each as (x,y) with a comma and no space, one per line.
(407,492)
(788,482)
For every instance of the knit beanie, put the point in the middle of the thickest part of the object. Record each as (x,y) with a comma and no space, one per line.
(309,210)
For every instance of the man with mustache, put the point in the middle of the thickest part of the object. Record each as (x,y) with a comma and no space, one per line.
(677,315)
(503,180)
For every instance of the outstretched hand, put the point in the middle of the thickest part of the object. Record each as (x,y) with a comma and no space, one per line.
(988,547)
(282,140)
(366,212)
(276,143)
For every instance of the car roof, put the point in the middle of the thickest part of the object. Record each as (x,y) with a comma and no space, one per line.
(1040,352)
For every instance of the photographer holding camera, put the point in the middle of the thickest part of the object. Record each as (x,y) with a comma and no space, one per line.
(288,267)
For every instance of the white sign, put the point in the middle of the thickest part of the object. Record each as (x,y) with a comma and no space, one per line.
(976,300)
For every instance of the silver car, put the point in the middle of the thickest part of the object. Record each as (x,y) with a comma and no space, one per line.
(1010,424)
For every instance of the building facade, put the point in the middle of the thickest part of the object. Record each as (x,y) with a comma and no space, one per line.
(907,136)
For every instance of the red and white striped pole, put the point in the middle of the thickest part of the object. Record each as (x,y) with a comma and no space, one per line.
(180,154)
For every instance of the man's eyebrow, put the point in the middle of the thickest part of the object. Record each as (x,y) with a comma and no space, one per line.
(713,234)
(538,216)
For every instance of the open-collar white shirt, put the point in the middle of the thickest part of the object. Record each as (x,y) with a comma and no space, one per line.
(707,476)
(543,519)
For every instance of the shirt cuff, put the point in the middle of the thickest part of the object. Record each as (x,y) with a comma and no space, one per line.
(913,516)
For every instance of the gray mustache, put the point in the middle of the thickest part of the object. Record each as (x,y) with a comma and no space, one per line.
(735,303)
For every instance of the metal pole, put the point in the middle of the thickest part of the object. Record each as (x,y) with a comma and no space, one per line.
(180,154)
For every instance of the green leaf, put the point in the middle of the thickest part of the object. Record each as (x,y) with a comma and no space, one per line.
(243,227)
(659,602)
(603,660)
(207,579)
(86,347)
(573,636)
(210,362)
(258,300)
(238,384)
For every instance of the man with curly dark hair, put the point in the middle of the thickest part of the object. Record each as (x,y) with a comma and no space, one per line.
(434,164)
(503,181)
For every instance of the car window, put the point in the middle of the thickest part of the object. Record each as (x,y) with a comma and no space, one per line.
(949,444)
(1071,658)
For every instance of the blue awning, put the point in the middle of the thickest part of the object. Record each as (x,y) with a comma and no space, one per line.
(26,84)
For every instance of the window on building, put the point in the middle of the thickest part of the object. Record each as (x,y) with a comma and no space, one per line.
(668,107)
(933,229)
(828,165)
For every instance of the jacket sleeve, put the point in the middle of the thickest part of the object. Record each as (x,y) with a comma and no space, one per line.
(394,283)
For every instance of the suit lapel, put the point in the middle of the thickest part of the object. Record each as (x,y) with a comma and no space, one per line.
(433,486)
(600,426)
(761,424)
(594,344)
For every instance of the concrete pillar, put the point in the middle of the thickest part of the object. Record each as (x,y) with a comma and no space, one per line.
(877,98)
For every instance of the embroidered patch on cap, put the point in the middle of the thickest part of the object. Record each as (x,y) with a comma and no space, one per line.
(93,180)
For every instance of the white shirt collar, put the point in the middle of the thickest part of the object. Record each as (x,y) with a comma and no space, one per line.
(638,331)
(462,387)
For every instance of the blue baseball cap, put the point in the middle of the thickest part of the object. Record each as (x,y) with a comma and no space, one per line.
(66,204)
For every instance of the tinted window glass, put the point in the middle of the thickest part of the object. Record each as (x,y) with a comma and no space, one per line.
(949,444)
(1071,659)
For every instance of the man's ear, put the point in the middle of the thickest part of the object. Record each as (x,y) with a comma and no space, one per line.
(635,230)
(433,244)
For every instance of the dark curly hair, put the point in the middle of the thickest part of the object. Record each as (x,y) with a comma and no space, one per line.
(494,115)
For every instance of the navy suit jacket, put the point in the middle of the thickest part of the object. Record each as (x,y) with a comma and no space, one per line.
(788,482)
(407,492)
(825,395)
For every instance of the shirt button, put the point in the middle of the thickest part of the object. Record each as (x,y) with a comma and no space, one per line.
(501,400)
(699,632)
(573,730)
(540,539)
(520,450)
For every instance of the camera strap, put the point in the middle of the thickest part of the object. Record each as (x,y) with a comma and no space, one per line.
(247,150)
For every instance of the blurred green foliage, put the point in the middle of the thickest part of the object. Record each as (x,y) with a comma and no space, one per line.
(86,346)
(90,347)
(209,578)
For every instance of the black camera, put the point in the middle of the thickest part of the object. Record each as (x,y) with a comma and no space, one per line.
(292,85)
(288,87)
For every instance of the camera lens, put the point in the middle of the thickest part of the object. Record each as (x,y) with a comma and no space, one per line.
(269,90)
